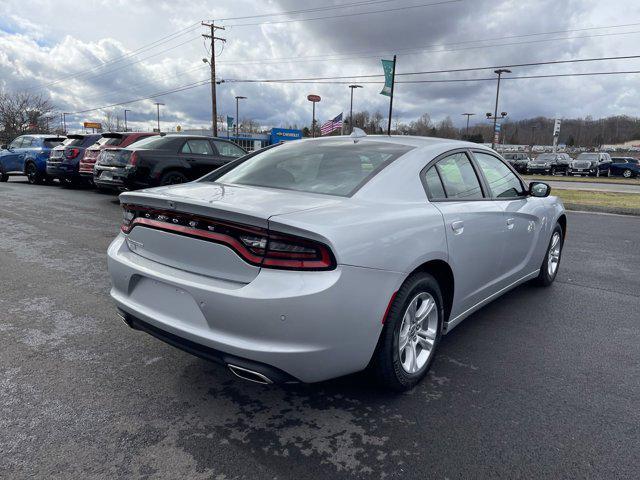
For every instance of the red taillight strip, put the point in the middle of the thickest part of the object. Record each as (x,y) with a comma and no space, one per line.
(231,242)
(293,260)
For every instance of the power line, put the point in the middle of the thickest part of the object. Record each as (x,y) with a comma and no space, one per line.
(146,47)
(457,70)
(450,80)
(432,48)
(310,10)
(387,10)
(181,88)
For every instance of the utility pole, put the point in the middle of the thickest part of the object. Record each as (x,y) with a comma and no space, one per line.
(158,108)
(499,72)
(352,87)
(126,129)
(533,136)
(468,115)
(238,98)
(64,122)
(212,63)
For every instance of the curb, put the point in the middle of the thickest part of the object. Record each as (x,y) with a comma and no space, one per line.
(598,209)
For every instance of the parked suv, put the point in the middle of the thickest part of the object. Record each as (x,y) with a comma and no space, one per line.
(592,164)
(626,166)
(549,163)
(109,140)
(64,161)
(163,160)
(27,155)
(518,161)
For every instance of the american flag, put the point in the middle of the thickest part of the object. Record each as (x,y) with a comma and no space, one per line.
(331,125)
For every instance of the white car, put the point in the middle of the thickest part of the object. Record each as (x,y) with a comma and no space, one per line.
(319,258)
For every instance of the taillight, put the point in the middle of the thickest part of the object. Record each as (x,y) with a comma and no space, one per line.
(71,153)
(255,245)
(133,159)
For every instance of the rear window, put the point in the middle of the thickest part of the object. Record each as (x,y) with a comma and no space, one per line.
(108,141)
(588,156)
(153,142)
(72,142)
(330,167)
(51,142)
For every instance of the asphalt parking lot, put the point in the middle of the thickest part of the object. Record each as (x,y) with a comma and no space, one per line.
(542,383)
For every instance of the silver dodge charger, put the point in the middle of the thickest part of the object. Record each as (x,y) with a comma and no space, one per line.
(318,258)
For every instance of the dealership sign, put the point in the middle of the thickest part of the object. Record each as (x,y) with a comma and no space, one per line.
(96,125)
(313,98)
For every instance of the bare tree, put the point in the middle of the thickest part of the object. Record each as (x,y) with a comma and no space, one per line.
(23,112)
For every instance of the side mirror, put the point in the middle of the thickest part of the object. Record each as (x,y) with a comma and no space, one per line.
(539,189)
(4,146)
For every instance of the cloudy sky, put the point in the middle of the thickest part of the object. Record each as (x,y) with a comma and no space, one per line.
(90,54)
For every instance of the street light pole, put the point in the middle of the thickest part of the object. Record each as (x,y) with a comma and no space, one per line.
(64,122)
(352,87)
(126,129)
(238,98)
(468,115)
(499,72)
(158,108)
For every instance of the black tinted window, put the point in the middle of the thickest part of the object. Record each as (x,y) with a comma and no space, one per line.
(329,167)
(197,147)
(459,178)
(434,185)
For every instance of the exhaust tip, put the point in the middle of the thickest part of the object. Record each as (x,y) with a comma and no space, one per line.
(249,375)
(123,316)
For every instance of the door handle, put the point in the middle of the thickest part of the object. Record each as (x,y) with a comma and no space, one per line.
(457,227)
(510,223)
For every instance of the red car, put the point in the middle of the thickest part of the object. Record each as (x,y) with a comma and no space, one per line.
(112,140)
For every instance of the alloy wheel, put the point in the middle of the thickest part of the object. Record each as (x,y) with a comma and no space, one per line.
(418,333)
(554,255)
(626,174)
(32,174)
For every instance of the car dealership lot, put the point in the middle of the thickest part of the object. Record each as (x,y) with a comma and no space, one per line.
(541,383)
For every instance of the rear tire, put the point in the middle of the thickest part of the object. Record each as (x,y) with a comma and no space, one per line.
(398,368)
(4,177)
(551,263)
(173,177)
(627,173)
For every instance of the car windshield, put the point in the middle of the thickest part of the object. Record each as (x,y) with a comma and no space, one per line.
(588,156)
(328,167)
(544,158)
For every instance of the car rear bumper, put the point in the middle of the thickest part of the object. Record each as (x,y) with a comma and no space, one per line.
(310,325)
(62,170)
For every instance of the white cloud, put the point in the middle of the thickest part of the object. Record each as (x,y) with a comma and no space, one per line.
(41,41)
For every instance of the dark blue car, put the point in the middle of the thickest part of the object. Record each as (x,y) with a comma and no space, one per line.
(626,166)
(64,161)
(27,155)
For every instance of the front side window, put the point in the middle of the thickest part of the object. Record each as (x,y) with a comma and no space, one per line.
(332,167)
(17,143)
(197,147)
(227,149)
(503,183)
(459,178)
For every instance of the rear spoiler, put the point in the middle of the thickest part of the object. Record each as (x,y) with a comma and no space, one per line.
(76,136)
(54,139)
(113,135)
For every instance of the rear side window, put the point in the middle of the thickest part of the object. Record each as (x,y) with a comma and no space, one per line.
(227,149)
(332,167)
(434,185)
(503,183)
(197,147)
(459,178)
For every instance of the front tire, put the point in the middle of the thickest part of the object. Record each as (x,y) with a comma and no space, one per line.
(4,177)
(411,334)
(551,263)
(33,177)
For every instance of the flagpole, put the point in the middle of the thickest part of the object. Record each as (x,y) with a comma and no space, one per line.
(393,83)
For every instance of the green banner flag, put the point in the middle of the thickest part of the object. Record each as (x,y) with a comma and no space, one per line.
(229,122)
(387,66)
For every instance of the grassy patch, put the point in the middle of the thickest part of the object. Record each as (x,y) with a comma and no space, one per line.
(622,202)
